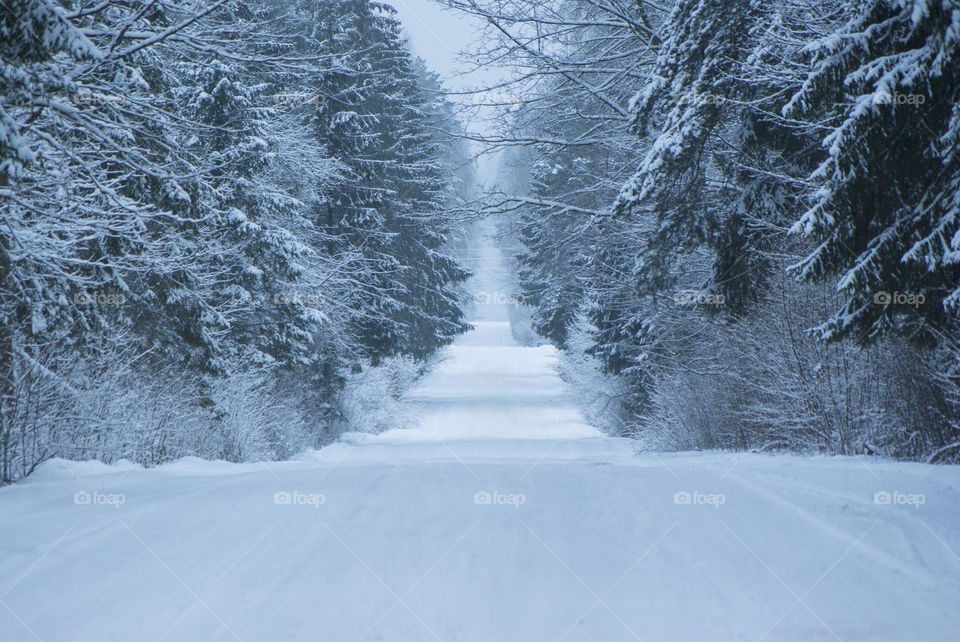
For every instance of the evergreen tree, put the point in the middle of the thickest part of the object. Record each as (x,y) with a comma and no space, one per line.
(884,216)
(388,210)
(684,110)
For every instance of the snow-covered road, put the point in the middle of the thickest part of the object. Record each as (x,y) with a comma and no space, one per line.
(502,517)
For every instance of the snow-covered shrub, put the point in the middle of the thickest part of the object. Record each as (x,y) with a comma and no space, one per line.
(34,399)
(109,405)
(600,396)
(99,403)
(371,400)
(253,420)
(765,382)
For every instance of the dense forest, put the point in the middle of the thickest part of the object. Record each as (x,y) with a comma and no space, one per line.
(213,215)
(738,219)
(741,215)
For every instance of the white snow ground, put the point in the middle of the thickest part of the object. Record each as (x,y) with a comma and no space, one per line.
(502,517)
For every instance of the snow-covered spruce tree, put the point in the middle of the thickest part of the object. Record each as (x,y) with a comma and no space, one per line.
(283,300)
(78,135)
(770,156)
(110,201)
(387,213)
(548,271)
(265,253)
(685,109)
(885,86)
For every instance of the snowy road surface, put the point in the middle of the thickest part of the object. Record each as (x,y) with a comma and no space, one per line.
(502,517)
